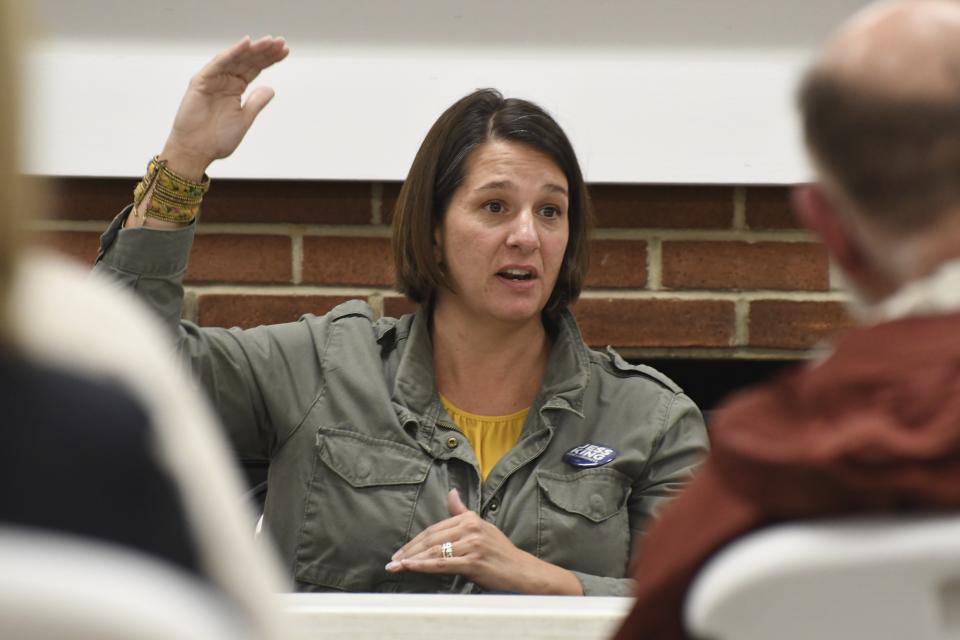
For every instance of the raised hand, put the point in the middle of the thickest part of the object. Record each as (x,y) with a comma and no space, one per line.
(482,553)
(211,120)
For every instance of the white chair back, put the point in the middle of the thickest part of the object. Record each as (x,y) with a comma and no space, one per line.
(872,578)
(55,586)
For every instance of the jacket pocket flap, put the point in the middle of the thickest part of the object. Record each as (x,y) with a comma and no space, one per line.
(367,462)
(595,494)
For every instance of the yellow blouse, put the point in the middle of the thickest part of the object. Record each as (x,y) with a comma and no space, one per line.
(490,436)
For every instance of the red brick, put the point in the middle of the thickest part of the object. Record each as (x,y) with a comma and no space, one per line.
(744,265)
(295,201)
(395,306)
(618,263)
(663,207)
(795,324)
(640,206)
(347,261)
(79,245)
(240,258)
(637,323)
(268,201)
(656,323)
(85,198)
(244,310)
(389,193)
(770,208)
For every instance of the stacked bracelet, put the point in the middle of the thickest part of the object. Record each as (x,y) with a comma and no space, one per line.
(174,198)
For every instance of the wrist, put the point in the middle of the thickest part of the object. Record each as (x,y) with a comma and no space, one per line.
(135,220)
(563,583)
(544,578)
(183,162)
(166,196)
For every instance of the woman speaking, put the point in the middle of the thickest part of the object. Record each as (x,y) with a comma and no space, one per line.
(475,445)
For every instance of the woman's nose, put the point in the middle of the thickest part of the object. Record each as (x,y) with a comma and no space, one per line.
(524,233)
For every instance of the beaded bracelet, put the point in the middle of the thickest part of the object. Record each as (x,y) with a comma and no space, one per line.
(174,198)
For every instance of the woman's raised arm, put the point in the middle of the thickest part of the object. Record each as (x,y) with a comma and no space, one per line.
(212,119)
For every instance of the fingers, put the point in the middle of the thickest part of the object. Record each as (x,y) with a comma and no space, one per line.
(447,566)
(454,504)
(225,62)
(461,522)
(256,101)
(246,59)
(263,53)
(442,531)
(248,53)
(269,50)
(431,560)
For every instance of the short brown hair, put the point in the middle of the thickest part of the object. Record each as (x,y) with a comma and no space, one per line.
(897,158)
(438,170)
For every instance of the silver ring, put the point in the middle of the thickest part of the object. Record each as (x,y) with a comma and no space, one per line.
(446,550)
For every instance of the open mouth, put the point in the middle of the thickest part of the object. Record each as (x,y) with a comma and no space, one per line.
(516,274)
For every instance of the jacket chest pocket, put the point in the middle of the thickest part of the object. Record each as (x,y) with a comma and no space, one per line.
(583,521)
(358,509)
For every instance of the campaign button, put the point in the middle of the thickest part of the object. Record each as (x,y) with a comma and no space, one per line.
(589,455)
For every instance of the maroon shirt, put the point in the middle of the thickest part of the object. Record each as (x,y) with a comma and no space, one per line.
(874,428)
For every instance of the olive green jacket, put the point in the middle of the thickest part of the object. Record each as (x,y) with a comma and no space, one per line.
(362,453)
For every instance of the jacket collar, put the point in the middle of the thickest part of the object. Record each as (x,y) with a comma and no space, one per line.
(564,384)
(414,387)
(568,368)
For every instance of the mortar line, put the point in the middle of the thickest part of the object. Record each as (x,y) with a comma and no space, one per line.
(190,310)
(296,255)
(741,315)
(655,264)
(221,288)
(732,235)
(376,203)
(378,231)
(740,208)
(375,300)
(727,295)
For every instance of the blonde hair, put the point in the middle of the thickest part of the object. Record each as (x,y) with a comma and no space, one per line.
(12,189)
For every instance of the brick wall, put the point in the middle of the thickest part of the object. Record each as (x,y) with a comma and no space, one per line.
(677,271)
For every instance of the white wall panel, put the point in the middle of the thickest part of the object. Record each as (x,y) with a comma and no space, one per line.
(649,91)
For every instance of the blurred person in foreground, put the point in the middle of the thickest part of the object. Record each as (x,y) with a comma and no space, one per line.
(103,440)
(875,426)
(475,445)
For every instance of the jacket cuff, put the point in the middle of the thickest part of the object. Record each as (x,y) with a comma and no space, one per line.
(598,586)
(148,252)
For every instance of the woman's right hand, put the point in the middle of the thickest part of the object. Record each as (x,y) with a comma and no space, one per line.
(211,120)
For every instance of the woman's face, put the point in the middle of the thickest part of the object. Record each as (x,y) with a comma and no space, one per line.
(503,237)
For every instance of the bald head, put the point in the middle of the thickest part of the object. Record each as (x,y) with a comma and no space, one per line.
(881,112)
(908,49)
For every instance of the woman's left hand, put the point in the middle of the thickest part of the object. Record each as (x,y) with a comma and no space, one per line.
(482,554)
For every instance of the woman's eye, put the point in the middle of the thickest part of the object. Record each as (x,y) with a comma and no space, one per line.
(494,206)
(550,211)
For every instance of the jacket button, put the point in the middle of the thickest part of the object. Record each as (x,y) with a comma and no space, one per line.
(452,443)
(494,505)
(598,505)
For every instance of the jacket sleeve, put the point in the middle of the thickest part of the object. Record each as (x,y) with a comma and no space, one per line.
(258,379)
(679,449)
